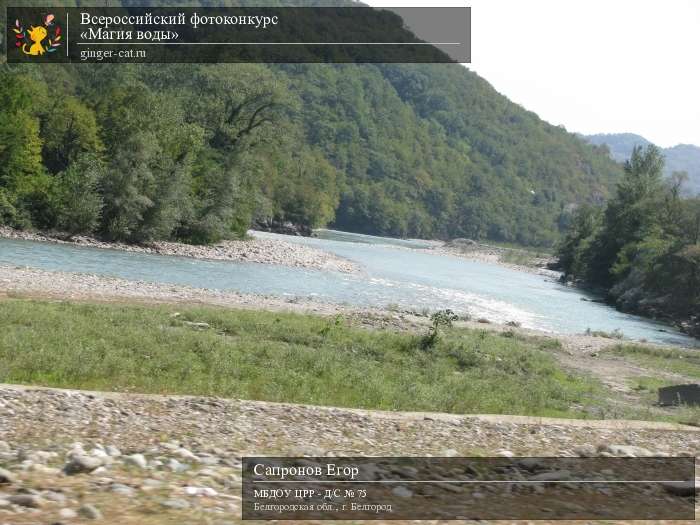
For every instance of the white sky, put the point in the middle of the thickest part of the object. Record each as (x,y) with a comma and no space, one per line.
(594,66)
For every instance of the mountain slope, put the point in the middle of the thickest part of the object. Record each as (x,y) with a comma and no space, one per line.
(685,157)
(434,150)
(680,158)
(428,151)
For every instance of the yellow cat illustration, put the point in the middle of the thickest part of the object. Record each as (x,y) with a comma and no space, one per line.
(36,35)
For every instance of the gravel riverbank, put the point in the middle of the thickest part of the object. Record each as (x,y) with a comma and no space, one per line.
(33,282)
(80,286)
(36,283)
(78,457)
(580,353)
(254,250)
(519,260)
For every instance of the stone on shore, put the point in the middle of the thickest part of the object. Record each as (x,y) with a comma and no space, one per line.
(258,250)
(137,460)
(81,464)
(31,501)
(90,512)
(6,477)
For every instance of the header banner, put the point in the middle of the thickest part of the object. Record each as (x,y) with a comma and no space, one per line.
(241,34)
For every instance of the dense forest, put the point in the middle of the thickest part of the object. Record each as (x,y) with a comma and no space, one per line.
(202,152)
(643,247)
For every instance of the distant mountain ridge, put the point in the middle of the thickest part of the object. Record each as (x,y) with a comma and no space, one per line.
(683,157)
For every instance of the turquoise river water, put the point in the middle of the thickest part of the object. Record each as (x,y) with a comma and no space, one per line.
(390,274)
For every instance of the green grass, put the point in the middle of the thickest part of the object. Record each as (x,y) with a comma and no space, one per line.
(615,334)
(518,257)
(281,357)
(676,360)
(648,388)
(649,385)
(537,251)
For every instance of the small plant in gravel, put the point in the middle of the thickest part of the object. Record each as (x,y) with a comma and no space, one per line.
(615,334)
(443,318)
(331,324)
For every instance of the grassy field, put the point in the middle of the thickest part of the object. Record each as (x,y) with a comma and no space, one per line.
(282,357)
(676,360)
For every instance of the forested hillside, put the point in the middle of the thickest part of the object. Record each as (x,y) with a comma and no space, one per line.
(201,152)
(643,247)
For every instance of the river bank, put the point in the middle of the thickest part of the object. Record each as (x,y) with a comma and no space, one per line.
(634,302)
(288,253)
(519,259)
(585,354)
(253,250)
(541,264)
(33,282)
(659,308)
(389,276)
(511,258)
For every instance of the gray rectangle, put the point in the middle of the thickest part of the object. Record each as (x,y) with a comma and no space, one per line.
(412,488)
(241,34)
(680,395)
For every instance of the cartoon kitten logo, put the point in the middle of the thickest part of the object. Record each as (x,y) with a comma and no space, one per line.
(40,39)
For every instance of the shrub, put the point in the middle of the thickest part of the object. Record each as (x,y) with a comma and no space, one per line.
(440,318)
(78,202)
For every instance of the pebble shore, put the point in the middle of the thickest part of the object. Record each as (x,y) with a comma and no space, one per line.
(33,282)
(76,457)
(254,250)
(496,255)
(580,353)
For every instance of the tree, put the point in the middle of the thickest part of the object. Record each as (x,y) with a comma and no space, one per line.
(307,191)
(126,185)
(69,129)
(630,215)
(216,212)
(574,251)
(78,201)
(26,188)
(643,249)
(151,150)
(404,150)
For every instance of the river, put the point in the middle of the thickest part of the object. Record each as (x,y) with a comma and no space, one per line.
(391,274)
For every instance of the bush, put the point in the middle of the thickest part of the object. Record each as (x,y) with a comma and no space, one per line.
(615,334)
(8,212)
(78,202)
(440,318)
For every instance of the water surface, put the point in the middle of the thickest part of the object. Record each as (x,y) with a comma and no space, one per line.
(391,274)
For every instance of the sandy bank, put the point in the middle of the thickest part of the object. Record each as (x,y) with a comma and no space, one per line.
(36,283)
(255,250)
(519,260)
(33,282)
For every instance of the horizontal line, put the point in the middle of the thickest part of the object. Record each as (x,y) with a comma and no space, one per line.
(477,481)
(269,43)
